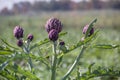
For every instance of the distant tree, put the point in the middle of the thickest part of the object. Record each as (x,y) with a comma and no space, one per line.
(40,5)
(96,4)
(115,4)
(21,7)
(5,11)
(60,5)
(73,5)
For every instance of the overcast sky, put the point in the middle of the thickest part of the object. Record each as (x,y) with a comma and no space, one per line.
(9,3)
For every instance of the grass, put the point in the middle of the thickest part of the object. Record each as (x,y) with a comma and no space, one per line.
(73,22)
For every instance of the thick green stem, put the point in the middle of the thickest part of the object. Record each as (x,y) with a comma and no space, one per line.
(30,63)
(74,64)
(28,52)
(53,77)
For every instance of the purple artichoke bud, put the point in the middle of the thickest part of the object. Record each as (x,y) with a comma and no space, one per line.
(91,31)
(53,23)
(30,37)
(53,35)
(85,30)
(18,32)
(20,42)
(62,43)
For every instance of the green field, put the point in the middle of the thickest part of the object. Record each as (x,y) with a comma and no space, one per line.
(108,25)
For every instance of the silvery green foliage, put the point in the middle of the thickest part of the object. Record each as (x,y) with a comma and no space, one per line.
(19,63)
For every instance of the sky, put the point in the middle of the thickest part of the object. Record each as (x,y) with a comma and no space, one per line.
(9,3)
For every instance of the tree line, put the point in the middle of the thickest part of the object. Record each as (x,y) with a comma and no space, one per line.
(63,5)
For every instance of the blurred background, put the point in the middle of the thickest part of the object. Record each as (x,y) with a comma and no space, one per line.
(11,7)
(74,14)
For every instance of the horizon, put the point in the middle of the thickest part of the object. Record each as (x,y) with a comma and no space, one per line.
(9,3)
